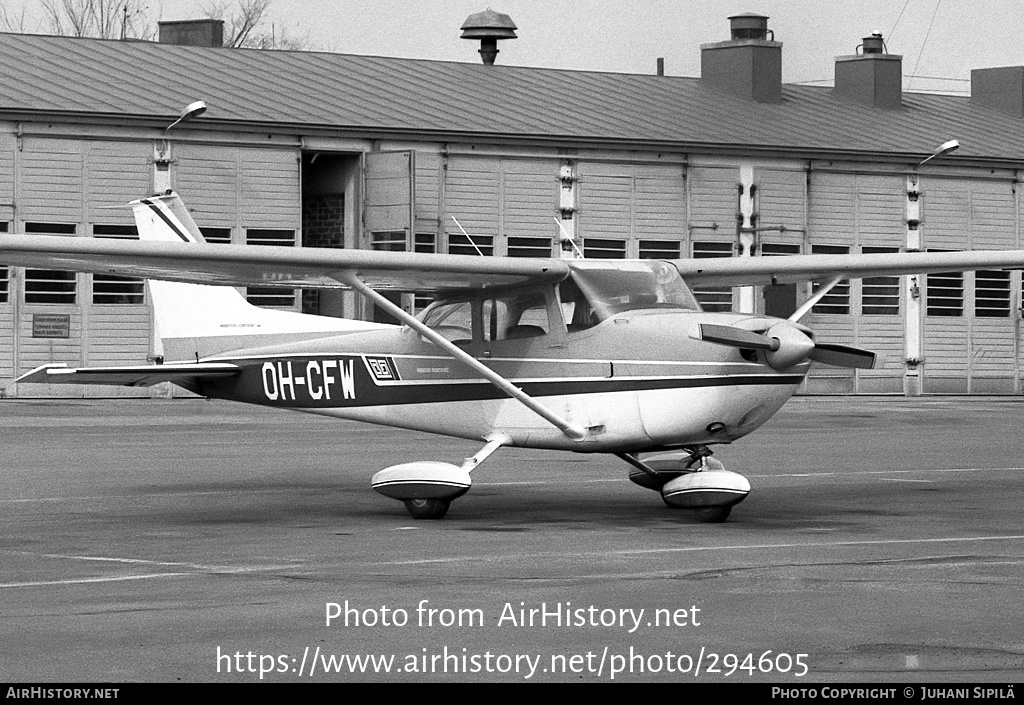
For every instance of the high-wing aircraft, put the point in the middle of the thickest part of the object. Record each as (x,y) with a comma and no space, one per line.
(590,356)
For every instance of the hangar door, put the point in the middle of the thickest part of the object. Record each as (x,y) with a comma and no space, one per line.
(245,195)
(389,197)
(632,210)
(711,228)
(852,213)
(971,328)
(76,188)
(507,206)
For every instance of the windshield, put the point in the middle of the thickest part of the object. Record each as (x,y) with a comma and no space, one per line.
(614,287)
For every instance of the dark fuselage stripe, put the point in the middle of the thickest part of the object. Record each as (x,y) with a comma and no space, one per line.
(249,386)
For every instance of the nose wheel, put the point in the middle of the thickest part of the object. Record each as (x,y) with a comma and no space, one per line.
(692,480)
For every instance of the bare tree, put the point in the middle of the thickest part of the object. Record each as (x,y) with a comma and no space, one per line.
(246,22)
(14,23)
(106,19)
(246,25)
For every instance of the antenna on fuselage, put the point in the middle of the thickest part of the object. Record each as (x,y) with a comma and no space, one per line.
(468,237)
(567,237)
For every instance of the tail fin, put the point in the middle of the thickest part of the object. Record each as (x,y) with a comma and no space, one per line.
(165,218)
(194,320)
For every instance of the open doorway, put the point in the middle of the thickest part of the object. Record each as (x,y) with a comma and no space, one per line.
(329,186)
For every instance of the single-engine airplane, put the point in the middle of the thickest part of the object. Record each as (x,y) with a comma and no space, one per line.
(590,356)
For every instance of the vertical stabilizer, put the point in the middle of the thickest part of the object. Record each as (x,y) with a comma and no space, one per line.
(193,320)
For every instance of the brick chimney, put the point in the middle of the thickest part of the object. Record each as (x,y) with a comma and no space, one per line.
(193,33)
(872,77)
(749,64)
(999,88)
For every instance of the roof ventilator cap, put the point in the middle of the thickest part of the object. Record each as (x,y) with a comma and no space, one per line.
(749,26)
(489,26)
(874,44)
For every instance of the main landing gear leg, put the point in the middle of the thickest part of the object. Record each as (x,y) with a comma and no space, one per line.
(692,480)
(427,488)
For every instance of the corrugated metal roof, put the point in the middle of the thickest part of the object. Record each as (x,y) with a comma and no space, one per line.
(379,94)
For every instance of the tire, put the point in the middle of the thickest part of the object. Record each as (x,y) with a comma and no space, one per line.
(713,515)
(427,508)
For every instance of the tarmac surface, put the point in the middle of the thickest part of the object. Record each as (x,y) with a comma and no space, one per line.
(207,542)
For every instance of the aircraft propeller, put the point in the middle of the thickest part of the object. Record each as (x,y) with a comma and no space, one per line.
(785,345)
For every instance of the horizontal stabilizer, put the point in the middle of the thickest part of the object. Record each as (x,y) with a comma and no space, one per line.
(128,375)
(843,356)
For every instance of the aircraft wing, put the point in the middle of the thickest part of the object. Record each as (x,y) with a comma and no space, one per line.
(759,271)
(242,265)
(128,375)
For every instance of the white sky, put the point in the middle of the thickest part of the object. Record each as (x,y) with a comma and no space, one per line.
(629,35)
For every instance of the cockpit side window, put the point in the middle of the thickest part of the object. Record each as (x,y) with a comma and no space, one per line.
(576,310)
(494,316)
(514,316)
(452,320)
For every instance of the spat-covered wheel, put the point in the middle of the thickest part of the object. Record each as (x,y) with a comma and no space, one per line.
(713,515)
(427,508)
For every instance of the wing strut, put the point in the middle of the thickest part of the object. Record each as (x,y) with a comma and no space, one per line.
(818,296)
(571,430)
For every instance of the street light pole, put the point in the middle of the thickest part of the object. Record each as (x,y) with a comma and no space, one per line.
(913,342)
(162,157)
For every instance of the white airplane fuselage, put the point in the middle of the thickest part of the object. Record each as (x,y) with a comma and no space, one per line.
(637,381)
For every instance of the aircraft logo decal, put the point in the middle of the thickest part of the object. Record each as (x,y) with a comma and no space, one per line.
(382,368)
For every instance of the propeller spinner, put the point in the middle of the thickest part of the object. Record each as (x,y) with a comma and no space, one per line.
(785,345)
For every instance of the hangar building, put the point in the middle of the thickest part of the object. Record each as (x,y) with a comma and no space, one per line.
(304,149)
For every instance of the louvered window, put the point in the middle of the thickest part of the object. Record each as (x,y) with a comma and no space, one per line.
(716,299)
(45,286)
(267,295)
(108,289)
(992,294)
(659,249)
(880,296)
(837,301)
(945,293)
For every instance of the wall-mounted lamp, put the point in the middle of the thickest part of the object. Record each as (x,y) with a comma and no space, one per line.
(194,109)
(162,149)
(191,110)
(944,148)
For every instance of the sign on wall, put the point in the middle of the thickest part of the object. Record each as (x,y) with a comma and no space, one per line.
(51,325)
